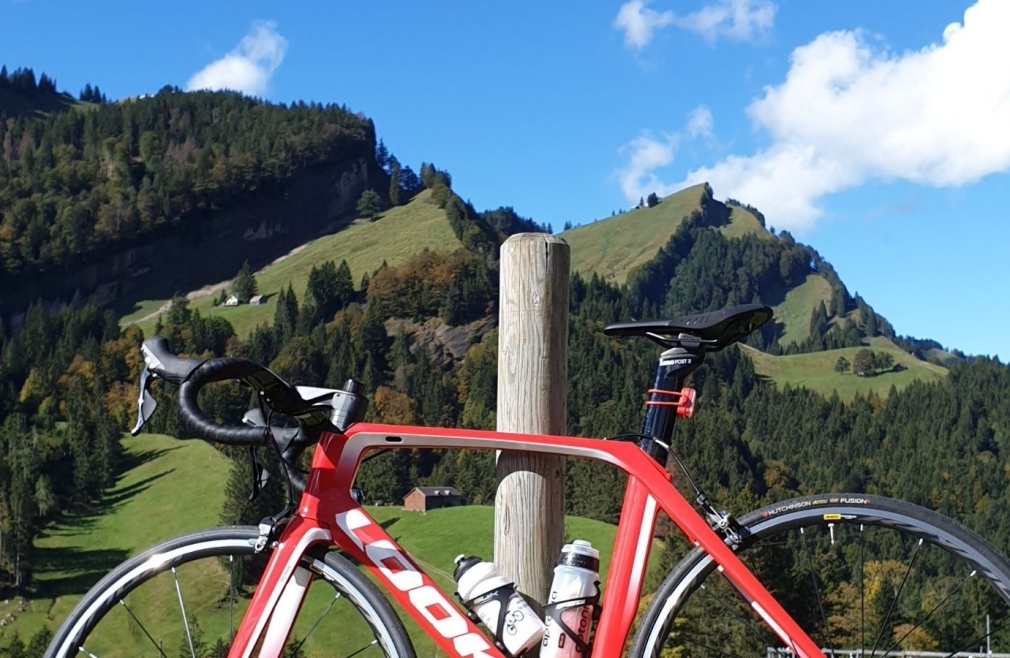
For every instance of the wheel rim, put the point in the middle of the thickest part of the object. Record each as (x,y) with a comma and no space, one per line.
(195,602)
(854,579)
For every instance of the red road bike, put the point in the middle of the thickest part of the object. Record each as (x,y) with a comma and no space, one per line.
(811,576)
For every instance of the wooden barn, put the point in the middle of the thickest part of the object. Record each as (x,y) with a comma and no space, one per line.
(422,499)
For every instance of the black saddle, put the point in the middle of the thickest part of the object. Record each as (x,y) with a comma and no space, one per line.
(714,331)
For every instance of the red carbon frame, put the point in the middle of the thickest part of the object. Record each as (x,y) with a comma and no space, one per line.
(328,515)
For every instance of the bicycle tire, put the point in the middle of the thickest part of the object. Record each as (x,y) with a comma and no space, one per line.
(336,570)
(819,512)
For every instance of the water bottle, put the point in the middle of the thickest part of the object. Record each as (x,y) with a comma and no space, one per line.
(484,591)
(572,602)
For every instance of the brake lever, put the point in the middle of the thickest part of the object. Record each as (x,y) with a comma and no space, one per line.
(259,474)
(146,404)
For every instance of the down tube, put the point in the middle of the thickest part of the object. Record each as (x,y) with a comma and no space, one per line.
(627,569)
(367,542)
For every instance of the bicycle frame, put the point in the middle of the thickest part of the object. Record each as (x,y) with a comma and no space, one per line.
(328,515)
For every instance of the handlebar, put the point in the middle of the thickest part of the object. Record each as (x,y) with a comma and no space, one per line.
(325,408)
(313,415)
(219,370)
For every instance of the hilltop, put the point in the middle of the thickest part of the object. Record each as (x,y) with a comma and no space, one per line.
(815,320)
(614,246)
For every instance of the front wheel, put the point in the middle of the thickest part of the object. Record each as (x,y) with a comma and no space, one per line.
(185,597)
(863,575)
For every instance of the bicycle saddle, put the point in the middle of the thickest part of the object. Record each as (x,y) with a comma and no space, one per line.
(715,330)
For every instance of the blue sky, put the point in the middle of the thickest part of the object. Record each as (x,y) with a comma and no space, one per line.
(879,133)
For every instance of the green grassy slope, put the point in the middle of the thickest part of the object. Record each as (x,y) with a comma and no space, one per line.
(400,233)
(816,370)
(795,310)
(743,222)
(170,487)
(612,247)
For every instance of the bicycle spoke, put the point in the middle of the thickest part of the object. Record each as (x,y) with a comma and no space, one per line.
(862,588)
(973,643)
(313,627)
(368,646)
(930,613)
(185,619)
(817,591)
(897,595)
(122,602)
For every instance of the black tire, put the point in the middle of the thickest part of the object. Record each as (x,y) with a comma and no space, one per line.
(827,527)
(337,571)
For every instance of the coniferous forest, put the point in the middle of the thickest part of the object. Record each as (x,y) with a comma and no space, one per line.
(75,183)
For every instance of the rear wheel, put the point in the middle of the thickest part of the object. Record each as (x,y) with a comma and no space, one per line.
(857,572)
(186,597)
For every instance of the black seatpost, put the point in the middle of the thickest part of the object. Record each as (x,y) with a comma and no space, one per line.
(675,364)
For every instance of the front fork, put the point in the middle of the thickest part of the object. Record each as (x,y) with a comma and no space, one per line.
(280,592)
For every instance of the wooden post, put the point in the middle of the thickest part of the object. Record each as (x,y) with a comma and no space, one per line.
(532,378)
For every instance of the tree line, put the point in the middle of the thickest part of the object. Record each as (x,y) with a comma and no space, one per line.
(78,183)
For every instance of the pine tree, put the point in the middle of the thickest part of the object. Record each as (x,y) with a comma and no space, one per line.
(39,642)
(293,649)
(344,285)
(381,155)
(818,320)
(219,650)
(286,315)
(16,648)
(245,284)
(870,321)
(410,183)
(842,364)
(199,646)
(395,192)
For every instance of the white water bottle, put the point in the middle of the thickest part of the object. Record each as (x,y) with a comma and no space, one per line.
(484,591)
(572,598)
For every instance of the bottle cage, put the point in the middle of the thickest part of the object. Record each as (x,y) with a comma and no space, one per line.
(554,610)
(502,595)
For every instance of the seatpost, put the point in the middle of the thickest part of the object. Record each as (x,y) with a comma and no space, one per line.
(675,364)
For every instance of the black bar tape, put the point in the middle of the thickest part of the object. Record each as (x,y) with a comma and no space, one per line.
(218,370)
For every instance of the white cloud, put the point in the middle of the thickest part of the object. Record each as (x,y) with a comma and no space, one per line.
(639,22)
(740,20)
(249,66)
(848,113)
(700,122)
(645,155)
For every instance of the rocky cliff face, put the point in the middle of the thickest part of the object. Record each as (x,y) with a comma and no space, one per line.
(259,231)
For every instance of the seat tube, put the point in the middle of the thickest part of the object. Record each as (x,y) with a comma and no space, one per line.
(674,366)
